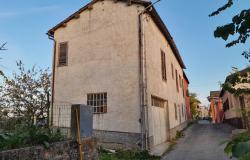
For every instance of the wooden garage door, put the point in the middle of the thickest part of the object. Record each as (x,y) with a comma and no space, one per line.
(160,120)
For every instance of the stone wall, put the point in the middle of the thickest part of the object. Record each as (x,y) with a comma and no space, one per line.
(177,128)
(66,150)
(235,122)
(117,140)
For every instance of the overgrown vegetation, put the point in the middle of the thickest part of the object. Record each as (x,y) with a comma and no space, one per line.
(179,134)
(194,102)
(28,135)
(26,94)
(239,146)
(126,155)
(24,108)
(235,79)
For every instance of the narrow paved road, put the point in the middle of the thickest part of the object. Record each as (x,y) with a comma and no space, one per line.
(201,142)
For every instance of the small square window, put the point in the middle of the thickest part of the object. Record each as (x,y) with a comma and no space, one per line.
(98,101)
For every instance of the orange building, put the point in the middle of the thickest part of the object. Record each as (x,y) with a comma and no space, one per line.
(186,95)
(216,107)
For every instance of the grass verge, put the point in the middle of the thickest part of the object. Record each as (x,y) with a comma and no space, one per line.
(126,155)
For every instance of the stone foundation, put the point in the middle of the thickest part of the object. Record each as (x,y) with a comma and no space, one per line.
(117,140)
(66,150)
(177,128)
(235,122)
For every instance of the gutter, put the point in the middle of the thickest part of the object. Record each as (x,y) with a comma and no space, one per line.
(143,88)
(51,37)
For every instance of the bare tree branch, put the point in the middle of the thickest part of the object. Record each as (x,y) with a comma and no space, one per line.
(2,47)
(224,7)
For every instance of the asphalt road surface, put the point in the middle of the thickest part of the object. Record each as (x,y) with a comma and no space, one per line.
(202,141)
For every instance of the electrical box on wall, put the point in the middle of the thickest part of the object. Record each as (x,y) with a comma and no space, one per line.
(85,120)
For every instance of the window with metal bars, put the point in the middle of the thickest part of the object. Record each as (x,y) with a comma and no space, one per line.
(157,102)
(163,66)
(63,54)
(98,101)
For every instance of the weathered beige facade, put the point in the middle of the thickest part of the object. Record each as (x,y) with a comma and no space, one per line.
(236,103)
(155,42)
(103,56)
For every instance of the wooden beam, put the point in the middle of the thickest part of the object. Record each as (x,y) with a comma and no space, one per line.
(90,7)
(64,25)
(77,16)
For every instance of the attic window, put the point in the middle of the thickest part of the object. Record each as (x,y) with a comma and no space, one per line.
(63,54)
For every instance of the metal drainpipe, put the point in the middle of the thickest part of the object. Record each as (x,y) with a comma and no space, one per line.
(53,77)
(143,86)
(143,81)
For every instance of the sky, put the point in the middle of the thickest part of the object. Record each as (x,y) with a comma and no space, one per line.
(23,25)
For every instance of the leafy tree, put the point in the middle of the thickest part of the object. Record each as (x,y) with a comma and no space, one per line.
(194,102)
(239,27)
(27,93)
(237,78)
(2,47)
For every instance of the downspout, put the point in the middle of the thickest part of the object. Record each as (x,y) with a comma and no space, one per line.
(143,82)
(143,86)
(51,37)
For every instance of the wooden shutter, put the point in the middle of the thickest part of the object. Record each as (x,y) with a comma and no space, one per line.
(163,66)
(63,54)
(176,79)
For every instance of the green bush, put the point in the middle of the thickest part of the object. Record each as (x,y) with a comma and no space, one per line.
(29,135)
(179,134)
(245,157)
(127,155)
(239,146)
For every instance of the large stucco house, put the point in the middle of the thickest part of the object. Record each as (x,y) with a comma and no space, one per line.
(236,106)
(118,56)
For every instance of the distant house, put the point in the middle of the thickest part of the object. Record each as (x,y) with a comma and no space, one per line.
(236,105)
(216,107)
(187,98)
(125,64)
(203,111)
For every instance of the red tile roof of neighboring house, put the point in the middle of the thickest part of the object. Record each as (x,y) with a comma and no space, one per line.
(155,16)
(215,94)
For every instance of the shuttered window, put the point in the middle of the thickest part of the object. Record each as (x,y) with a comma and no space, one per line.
(163,66)
(63,54)
(183,110)
(172,68)
(176,79)
(180,81)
